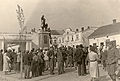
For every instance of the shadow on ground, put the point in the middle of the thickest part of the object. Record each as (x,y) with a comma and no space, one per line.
(67,70)
(104,78)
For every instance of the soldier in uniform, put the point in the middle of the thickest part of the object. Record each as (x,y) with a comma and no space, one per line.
(51,60)
(112,57)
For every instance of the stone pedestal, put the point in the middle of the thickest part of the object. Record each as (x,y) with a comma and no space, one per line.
(28,45)
(44,40)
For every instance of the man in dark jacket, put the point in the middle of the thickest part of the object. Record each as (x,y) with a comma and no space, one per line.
(51,60)
(26,61)
(1,60)
(83,68)
(78,56)
(60,61)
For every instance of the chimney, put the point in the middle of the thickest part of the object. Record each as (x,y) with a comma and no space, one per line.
(82,29)
(114,21)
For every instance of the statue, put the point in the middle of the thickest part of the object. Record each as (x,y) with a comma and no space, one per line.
(44,25)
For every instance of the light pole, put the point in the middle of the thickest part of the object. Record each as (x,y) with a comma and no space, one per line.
(21,19)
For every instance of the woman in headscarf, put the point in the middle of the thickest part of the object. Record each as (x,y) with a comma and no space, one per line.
(93,58)
(6,61)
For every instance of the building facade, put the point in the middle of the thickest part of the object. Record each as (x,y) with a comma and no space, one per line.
(73,38)
(105,34)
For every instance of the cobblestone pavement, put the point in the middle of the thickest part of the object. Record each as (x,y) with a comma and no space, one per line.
(70,75)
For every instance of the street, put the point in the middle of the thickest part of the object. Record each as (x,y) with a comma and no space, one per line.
(70,75)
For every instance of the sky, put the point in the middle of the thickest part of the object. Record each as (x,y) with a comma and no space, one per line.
(60,14)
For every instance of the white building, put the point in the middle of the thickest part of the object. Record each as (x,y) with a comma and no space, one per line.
(70,37)
(106,33)
(55,34)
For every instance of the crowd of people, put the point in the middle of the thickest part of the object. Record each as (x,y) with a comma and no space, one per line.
(37,61)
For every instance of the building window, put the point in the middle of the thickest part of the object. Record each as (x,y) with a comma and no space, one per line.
(59,40)
(45,39)
(68,38)
(62,40)
(67,32)
(77,37)
(55,42)
(72,38)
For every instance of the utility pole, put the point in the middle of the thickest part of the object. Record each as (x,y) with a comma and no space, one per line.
(21,19)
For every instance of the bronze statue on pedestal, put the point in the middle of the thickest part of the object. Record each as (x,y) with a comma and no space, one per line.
(44,25)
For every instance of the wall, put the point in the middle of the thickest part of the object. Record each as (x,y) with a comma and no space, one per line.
(35,40)
(103,39)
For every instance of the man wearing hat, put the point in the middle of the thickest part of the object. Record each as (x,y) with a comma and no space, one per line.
(78,57)
(112,57)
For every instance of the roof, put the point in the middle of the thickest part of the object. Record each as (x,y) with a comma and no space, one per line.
(106,30)
(57,32)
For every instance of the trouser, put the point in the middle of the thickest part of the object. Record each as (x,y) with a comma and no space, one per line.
(40,69)
(15,66)
(79,69)
(51,66)
(111,71)
(75,65)
(46,65)
(27,71)
(55,60)
(35,69)
(18,66)
(60,67)
(69,61)
(83,67)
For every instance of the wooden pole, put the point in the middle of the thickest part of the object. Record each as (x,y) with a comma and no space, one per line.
(21,23)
